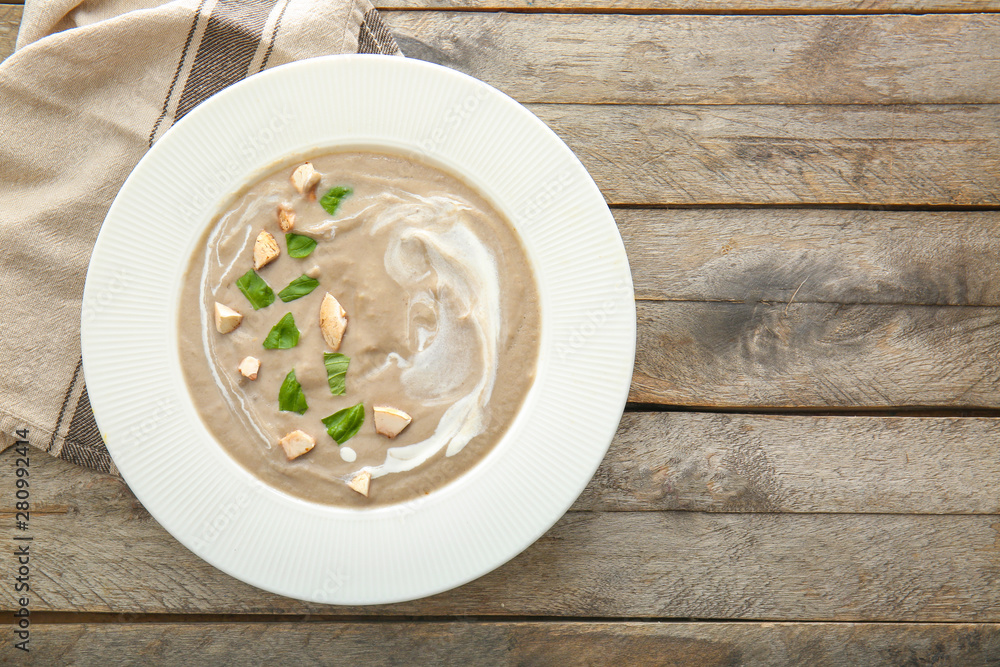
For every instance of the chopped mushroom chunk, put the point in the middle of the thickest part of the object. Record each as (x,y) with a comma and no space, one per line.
(305,178)
(249,367)
(226,319)
(361,482)
(265,250)
(286,217)
(297,443)
(332,321)
(389,421)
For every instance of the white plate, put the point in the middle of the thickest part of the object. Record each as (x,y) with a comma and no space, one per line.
(316,552)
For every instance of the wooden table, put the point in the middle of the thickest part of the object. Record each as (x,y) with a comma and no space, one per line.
(809,192)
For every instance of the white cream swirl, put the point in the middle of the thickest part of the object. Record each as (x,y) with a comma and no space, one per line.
(448,273)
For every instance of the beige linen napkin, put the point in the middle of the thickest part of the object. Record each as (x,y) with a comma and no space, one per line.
(91,86)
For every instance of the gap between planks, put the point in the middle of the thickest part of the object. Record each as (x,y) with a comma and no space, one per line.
(811,302)
(515,642)
(605,11)
(690,7)
(97,618)
(902,411)
(697,7)
(803,206)
(7,513)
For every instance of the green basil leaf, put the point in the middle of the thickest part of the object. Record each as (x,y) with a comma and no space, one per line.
(298,288)
(299,246)
(258,293)
(336,372)
(283,335)
(344,424)
(331,200)
(290,396)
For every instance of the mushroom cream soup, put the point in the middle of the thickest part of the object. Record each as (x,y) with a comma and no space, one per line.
(359,329)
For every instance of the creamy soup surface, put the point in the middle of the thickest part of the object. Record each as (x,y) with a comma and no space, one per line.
(442,326)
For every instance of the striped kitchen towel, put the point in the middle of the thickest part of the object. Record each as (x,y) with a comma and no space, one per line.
(91,86)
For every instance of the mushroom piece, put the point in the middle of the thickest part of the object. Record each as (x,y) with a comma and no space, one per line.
(305,178)
(226,319)
(286,217)
(332,321)
(248,367)
(265,250)
(389,421)
(361,482)
(297,443)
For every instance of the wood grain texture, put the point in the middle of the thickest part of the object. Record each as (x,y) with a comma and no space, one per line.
(824,256)
(716,329)
(10,19)
(703,6)
(930,58)
(800,154)
(98,550)
(816,355)
(520,643)
(609,564)
(747,463)
(725,463)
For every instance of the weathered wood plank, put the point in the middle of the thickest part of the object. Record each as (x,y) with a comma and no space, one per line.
(724,463)
(10,19)
(851,154)
(816,355)
(520,643)
(828,59)
(827,256)
(704,6)
(113,557)
(930,58)
(747,463)
(107,555)
(923,155)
